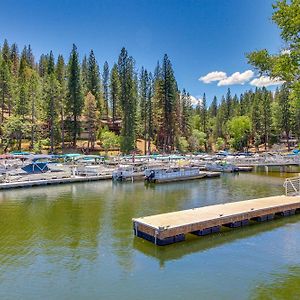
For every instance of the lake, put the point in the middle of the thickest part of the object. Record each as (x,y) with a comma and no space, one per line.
(75,241)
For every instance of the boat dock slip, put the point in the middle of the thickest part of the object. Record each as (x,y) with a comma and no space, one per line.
(168,228)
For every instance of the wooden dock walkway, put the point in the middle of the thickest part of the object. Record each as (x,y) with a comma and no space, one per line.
(51,181)
(168,228)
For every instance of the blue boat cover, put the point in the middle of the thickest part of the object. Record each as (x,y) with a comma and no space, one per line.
(36,167)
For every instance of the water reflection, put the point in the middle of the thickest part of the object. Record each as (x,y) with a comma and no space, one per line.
(52,222)
(82,234)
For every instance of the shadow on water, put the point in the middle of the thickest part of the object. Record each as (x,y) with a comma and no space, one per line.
(194,244)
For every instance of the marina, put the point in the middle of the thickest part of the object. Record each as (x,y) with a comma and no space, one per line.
(28,170)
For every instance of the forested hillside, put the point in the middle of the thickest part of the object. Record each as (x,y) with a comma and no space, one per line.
(56,101)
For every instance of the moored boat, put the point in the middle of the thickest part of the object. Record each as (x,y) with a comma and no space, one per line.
(221,167)
(172,174)
(123,173)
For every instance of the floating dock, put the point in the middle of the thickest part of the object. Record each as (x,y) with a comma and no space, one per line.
(168,228)
(51,181)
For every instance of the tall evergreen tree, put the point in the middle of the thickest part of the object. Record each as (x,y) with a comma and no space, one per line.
(90,114)
(150,111)
(61,77)
(128,101)
(33,99)
(105,82)
(115,91)
(169,97)
(23,63)
(74,100)
(228,104)
(30,57)
(6,51)
(22,104)
(51,64)
(143,96)
(43,65)
(256,118)
(14,58)
(84,75)
(213,107)
(203,114)
(51,107)
(266,115)
(93,78)
(5,87)
(284,117)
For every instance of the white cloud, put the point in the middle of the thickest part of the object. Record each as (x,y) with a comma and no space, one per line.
(213,76)
(265,81)
(286,51)
(237,78)
(195,100)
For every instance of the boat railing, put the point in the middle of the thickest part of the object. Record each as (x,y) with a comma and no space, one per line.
(292,186)
(177,174)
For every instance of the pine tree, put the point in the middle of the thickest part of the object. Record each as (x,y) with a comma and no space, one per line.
(150,111)
(51,64)
(84,75)
(105,81)
(228,104)
(93,78)
(256,118)
(51,88)
(221,119)
(14,58)
(61,77)
(203,114)
(284,118)
(169,97)
(143,96)
(22,105)
(204,118)
(186,114)
(6,51)
(74,103)
(5,87)
(43,65)
(34,103)
(266,115)
(115,91)
(30,57)
(23,63)
(157,107)
(213,107)
(90,114)
(128,101)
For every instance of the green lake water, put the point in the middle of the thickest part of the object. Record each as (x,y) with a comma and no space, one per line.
(76,241)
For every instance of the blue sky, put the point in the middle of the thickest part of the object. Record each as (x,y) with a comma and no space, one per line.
(200,36)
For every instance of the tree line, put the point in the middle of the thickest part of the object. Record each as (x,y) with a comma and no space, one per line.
(51,102)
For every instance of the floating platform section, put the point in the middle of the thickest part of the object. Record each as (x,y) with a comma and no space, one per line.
(212,174)
(51,181)
(168,228)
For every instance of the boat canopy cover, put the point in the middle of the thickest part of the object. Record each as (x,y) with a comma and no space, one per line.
(36,167)
(19,153)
